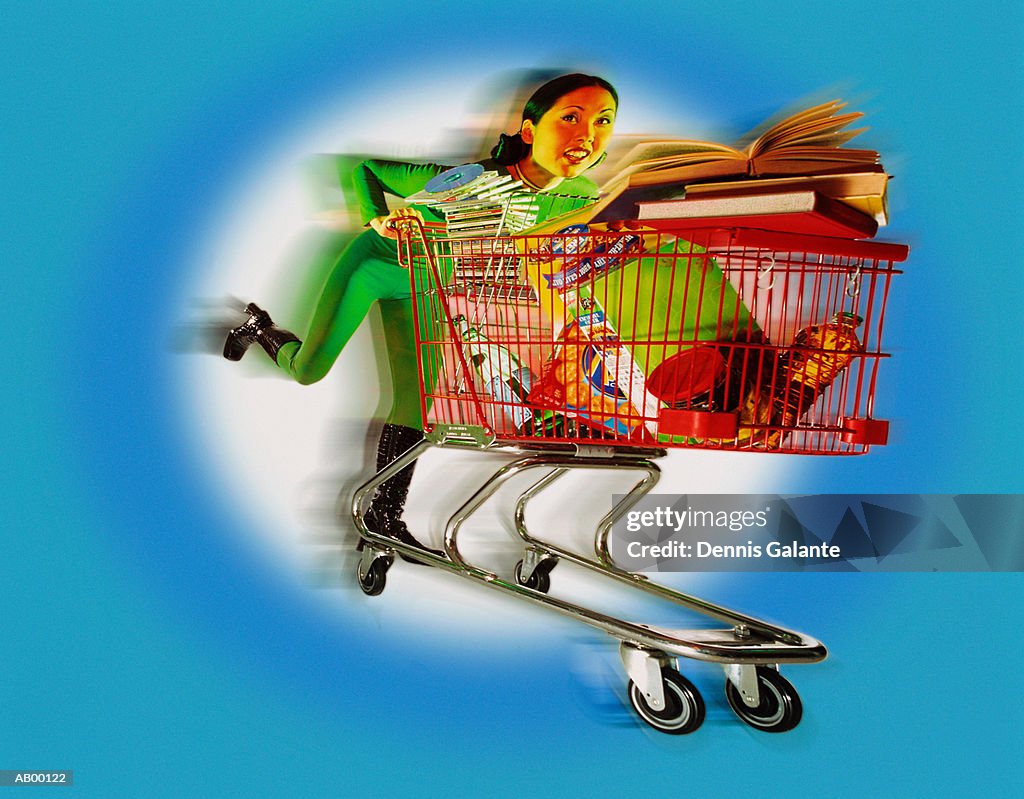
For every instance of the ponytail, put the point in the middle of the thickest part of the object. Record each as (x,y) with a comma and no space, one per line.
(510,149)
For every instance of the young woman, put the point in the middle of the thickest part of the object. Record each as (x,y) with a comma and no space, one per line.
(565,128)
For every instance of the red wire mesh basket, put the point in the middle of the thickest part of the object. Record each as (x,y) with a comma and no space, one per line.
(727,339)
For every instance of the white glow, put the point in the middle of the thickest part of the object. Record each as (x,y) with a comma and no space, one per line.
(283,452)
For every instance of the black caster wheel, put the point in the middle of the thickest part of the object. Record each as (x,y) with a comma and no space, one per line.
(374,578)
(779,710)
(540,580)
(684,708)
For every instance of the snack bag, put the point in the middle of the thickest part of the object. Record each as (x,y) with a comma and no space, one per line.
(560,264)
(592,375)
(601,256)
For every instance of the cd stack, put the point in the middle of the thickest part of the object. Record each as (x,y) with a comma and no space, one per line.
(478,204)
(480,208)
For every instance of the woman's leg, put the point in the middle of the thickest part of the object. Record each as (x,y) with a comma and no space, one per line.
(385,513)
(403,362)
(404,426)
(366,271)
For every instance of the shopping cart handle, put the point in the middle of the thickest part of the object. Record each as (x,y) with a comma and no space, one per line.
(402,224)
(409,228)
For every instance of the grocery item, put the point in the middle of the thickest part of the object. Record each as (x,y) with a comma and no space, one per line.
(818,354)
(604,255)
(722,377)
(572,260)
(593,376)
(699,378)
(504,376)
(546,423)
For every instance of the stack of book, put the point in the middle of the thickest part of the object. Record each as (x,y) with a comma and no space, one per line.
(805,211)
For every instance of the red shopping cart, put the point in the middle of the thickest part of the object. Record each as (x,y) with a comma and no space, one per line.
(604,346)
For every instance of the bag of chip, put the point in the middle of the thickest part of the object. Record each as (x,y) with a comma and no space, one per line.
(591,375)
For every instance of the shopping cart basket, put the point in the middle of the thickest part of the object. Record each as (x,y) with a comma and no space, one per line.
(600,349)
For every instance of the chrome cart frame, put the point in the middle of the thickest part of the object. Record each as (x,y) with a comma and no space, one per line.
(749,650)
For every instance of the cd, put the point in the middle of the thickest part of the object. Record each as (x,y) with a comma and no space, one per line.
(454,178)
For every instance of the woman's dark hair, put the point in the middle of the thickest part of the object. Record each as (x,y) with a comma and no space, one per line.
(512,149)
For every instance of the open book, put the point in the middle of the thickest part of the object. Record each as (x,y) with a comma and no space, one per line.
(808,142)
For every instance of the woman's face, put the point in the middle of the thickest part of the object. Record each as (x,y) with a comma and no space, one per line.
(574,132)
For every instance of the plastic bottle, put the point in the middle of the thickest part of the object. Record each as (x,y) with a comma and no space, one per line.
(506,379)
(819,353)
(509,382)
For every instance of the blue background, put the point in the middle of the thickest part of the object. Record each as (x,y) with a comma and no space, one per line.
(147,650)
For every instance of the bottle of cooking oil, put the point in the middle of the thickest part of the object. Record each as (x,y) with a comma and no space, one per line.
(818,354)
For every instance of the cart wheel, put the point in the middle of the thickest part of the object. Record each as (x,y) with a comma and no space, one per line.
(540,580)
(684,708)
(373,580)
(780,708)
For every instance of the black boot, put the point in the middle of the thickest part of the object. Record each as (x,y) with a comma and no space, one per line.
(258,327)
(273,338)
(385,513)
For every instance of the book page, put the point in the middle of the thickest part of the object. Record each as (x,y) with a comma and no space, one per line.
(648,156)
(820,128)
(837,155)
(657,150)
(822,111)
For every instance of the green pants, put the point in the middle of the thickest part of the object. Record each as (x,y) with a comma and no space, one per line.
(366,272)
